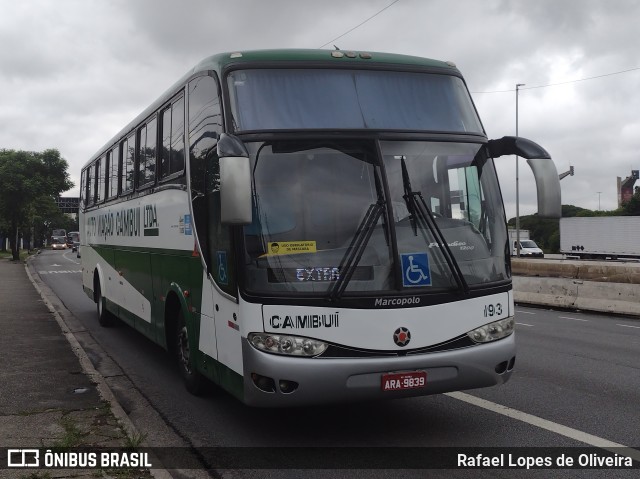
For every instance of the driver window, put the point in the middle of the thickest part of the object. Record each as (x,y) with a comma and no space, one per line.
(465,194)
(205,127)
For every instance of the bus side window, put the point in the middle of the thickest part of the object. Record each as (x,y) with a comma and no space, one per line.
(91,184)
(83,185)
(172,139)
(147,154)
(205,126)
(126,172)
(100,179)
(177,136)
(114,166)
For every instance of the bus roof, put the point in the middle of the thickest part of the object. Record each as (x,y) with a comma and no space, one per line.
(305,57)
(223,60)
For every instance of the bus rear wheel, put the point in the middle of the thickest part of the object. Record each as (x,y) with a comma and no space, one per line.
(105,318)
(186,361)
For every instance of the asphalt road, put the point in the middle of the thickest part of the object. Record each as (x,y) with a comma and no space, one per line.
(576,384)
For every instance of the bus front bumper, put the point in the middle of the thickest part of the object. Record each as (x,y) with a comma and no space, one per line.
(298,381)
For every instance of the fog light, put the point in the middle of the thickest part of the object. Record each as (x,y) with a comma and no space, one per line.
(263,383)
(287,386)
(501,368)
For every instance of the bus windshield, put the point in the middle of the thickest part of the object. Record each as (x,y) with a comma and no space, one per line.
(311,199)
(289,99)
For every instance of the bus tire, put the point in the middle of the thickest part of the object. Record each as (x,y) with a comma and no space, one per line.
(105,318)
(186,362)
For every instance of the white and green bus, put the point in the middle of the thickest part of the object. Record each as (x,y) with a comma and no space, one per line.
(304,226)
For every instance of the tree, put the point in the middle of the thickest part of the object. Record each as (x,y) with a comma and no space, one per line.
(632,207)
(4,228)
(25,177)
(47,216)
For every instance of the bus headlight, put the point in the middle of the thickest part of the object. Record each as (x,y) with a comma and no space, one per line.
(287,345)
(493,331)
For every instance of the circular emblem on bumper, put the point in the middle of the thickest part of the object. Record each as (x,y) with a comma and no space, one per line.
(401,337)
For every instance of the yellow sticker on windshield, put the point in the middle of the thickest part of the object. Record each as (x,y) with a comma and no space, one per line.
(291,247)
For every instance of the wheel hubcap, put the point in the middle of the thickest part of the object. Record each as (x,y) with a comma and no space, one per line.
(183,348)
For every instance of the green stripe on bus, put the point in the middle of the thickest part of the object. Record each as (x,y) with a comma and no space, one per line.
(226,378)
(99,248)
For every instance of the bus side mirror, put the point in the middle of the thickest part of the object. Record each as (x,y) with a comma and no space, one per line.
(235,181)
(543,167)
(548,187)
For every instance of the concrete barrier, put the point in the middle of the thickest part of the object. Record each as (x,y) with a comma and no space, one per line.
(592,286)
(602,271)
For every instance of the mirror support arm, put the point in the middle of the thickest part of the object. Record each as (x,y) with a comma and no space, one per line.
(543,167)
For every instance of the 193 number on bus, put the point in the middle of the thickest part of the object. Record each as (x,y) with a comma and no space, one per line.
(491,310)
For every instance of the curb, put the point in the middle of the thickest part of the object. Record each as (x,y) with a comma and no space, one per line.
(87,367)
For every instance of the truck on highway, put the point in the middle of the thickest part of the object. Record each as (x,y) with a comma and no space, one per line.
(528,247)
(600,237)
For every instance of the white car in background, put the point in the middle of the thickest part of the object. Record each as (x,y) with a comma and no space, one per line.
(528,249)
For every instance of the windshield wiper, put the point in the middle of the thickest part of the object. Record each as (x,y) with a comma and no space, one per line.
(356,248)
(420,215)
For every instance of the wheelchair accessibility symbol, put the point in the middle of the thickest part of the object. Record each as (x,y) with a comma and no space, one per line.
(415,269)
(223,277)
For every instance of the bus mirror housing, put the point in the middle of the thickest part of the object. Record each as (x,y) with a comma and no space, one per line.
(544,171)
(235,181)
(515,145)
(548,187)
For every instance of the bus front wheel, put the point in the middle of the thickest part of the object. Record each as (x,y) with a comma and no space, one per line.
(186,361)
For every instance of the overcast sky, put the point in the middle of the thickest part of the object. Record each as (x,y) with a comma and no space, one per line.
(74,72)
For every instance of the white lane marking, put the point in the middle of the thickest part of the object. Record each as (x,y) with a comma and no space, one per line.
(569,432)
(70,259)
(628,326)
(524,312)
(525,324)
(573,319)
(58,272)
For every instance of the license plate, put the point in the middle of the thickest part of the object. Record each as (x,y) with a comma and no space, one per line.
(402,381)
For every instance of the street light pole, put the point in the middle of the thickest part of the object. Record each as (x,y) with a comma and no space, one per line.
(518,85)
(599,193)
